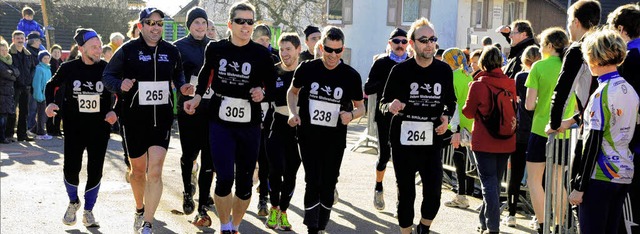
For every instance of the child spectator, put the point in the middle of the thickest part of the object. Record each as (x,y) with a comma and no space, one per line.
(28,25)
(40,79)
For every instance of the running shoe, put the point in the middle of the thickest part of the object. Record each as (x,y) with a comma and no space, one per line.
(262,207)
(146,228)
(378,200)
(459,201)
(283,222)
(510,221)
(187,204)
(138,219)
(88,220)
(202,219)
(272,220)
(70,215)
(44,137)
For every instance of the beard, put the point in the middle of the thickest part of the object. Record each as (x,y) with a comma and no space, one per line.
(425,55)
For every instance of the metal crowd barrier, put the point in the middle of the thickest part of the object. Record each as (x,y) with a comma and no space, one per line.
(369,137)
(557,211)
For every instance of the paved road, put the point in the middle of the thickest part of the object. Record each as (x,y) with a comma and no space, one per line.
(33,197)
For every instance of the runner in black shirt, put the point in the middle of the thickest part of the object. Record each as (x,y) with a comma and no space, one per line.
(420,95)
(236,69)
(88,117)
(141,72)
(326,90)
(375,85)
(281,144)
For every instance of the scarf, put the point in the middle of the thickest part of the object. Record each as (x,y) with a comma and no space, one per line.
(7,59)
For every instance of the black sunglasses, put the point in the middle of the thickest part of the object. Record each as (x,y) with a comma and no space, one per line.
(243,21)
(151,22)
(426,40)
(398,41)
(330,50)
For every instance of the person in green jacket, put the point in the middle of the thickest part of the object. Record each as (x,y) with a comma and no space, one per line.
(460,126)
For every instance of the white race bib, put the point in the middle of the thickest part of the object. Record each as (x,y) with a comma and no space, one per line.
(89,103)
(324,113)
(194,82)
(416,133)
(235,110)
(265,107)
(153,92)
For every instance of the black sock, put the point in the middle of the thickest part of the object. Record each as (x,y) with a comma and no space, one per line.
(378,186)
(540,228)
(140,211)
(313,230)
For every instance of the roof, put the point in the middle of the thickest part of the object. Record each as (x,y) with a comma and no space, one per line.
(181,16)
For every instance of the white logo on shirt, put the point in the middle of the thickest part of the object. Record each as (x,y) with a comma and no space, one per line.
(163,58)
(143,57)
(235,66)
(88,85)
(327,90)
(279,83)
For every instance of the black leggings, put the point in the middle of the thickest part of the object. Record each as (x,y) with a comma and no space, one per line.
(263,165)
(426,160)
(94,137)
(518,163)
(465,183)
(321,161)
(383,143)
(284,161)
(194,139)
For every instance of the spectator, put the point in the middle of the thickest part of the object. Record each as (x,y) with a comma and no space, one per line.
(53,124)
(107,53)
(73,53)
(486,41)
(504,57)
(115,41)
(211,31)
(8,75)
(40,78)
(33,45)
(491,153)
(27,25)
(21,58)
(133,32)
(520,36)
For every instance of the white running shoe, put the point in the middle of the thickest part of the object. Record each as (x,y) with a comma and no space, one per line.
(378,200)
(88,220)
(459,201)
(138,219)
(510,221)
(70,215)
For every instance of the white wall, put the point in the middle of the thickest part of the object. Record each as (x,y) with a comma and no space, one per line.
(368,35)
(444,18)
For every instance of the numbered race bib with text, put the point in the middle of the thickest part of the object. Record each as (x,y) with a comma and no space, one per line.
(89,103)
(324,113)
(235,110)
(416,133)
(265,107)
(153,92)
(194,82)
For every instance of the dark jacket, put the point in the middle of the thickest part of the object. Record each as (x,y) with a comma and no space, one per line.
(514,64)
(8,75)
(479,104)
(24,63)
(378,79)
(135,60)
(192,53)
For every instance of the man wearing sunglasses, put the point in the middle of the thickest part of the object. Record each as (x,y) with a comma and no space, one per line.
(141,72)
(520,36)
(419,94)
(236,69)
(326,90)
(375,85)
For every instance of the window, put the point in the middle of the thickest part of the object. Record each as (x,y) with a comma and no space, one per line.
(481,14)
(410,11)
(334,11)
(339,11)
(405,12)
(513,10)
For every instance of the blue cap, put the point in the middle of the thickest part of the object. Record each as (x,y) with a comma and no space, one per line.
(43,53)
(145,13)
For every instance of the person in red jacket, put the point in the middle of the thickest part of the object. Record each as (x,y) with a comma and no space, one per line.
(491,153)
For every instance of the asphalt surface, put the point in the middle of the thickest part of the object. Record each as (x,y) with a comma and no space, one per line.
(33,197)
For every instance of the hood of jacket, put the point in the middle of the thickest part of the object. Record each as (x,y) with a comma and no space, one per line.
(14,50)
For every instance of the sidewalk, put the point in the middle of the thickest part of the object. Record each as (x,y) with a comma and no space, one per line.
(33,197)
